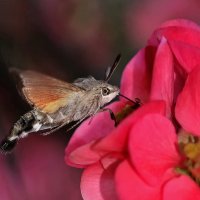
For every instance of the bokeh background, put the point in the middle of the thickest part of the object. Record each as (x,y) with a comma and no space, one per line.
(66,39)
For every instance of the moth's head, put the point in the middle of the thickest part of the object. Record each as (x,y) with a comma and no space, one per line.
(108,93)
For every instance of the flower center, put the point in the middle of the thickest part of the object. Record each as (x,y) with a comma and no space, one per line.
(190,148)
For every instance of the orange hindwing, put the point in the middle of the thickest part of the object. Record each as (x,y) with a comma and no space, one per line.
(46,93)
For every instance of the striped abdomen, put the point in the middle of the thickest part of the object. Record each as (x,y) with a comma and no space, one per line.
(20,129)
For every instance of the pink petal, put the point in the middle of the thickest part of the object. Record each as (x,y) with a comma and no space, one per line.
(136,78)
(188,103)
(152,147)
(130,186)
(179,80)
(187,55)
(175,33)
(162,87)
(98,182)
(83,156)
(182,187)
(116,141)
(86,134)
(43,172)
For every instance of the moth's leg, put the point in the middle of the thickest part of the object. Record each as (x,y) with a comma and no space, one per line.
(137,102)
(112,115)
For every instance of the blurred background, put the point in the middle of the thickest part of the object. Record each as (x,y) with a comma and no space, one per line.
(66,39)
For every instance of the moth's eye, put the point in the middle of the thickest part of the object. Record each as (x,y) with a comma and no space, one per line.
(105,91)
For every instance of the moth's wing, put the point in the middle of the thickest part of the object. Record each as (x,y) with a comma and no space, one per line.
(44,92)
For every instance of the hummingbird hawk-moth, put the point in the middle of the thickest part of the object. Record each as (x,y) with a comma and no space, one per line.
(57,103)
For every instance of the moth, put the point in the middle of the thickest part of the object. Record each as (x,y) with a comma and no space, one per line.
(57,103)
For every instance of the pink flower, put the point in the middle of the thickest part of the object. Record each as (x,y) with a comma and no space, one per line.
(156,75)
(151,171)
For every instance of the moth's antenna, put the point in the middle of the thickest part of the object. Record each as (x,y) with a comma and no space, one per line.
(110,70)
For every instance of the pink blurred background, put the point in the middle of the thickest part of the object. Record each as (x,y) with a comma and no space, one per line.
(66,39)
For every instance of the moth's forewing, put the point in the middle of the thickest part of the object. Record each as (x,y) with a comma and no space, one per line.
(46,93)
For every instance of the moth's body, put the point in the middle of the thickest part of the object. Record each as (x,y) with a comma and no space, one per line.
(56,103)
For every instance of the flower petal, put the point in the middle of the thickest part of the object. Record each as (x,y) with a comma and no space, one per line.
(98,182)
(163,75)
(187,55)
(83,156)
(152,147)
(136,78)
(182,187)
(130,186)
(176,33)
(188,103)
